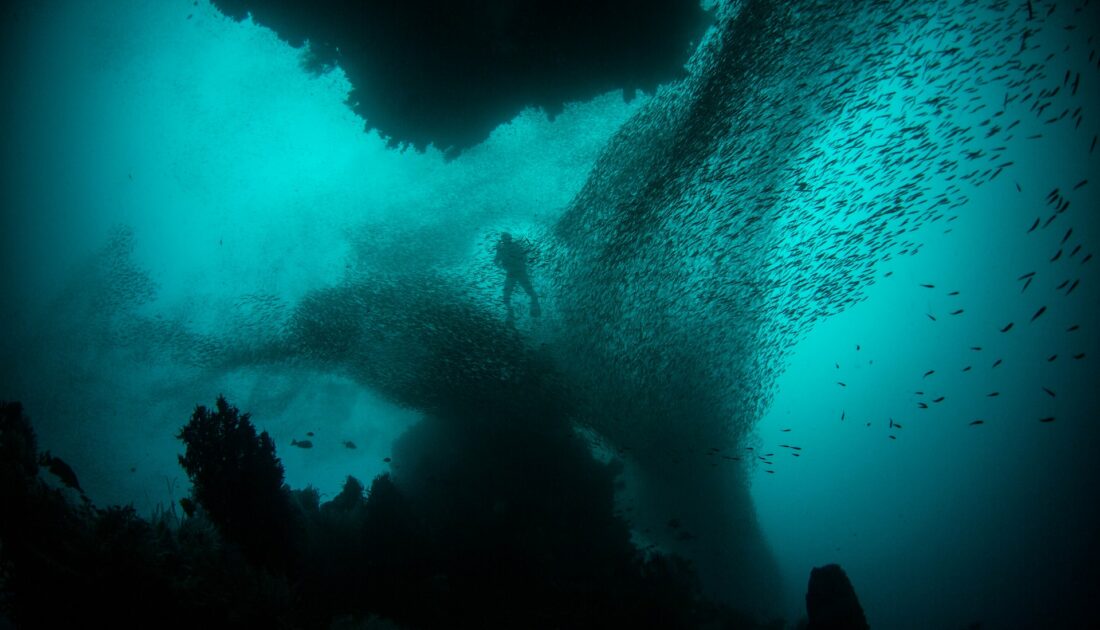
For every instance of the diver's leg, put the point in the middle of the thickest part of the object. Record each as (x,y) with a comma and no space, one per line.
(525,282)
(509,286)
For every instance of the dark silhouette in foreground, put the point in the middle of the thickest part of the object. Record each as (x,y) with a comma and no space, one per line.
(831,602)
(484,522)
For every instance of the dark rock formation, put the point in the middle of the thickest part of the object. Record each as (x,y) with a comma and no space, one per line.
(831,602)
(447,73)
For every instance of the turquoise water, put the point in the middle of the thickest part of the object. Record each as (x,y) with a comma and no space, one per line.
(177,187)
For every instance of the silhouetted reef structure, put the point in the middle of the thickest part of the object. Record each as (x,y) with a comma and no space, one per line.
(485,522)
(447,73)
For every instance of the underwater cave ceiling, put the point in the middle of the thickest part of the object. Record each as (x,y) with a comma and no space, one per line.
(447,72)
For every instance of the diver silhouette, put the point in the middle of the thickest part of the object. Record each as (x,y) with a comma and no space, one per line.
(512,257)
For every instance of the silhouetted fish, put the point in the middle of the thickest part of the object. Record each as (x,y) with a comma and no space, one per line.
(1073,286)
(1079,356)
(1007,328)
(61,470)
(841,384)
(997,362)
(386,459)
(928,373)
(309,433)
(958,312)
(966,369)
(1034,225)
(1052,357)
(1048,419)
(1042,309)
(1049,392)
(993,394)
(977,422)
(1072,328)
(302,444)
(349,444)
(929,286)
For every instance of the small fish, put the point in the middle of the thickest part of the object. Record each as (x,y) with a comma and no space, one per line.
(1074,252)
(784,431)
(1061,286)
(841,384)
(1056,256)
(1079,356)
(770,472)
(977,422)
(735,459)
(958,312)
(920,405)
(929,286)
(1052,358)
(931,316)
(1007,328)
(1026,275)
(1042,309)
(61,470)
(976,348)
(302,444)
(953,293)
(1086,259)
(940,399)
(1073,286)
(842,414)
(993,394)
(893,437)
(1080,184)
(1048,419)
(349,444)
(857,347)
(1034,225)
(1072,328)
(928,373)
(997,362)
(387,460)
(1049,392)
(309,433)
(1026,285)
(966,369)
(1066,237)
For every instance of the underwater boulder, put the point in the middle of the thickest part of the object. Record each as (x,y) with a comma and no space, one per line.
(831,602)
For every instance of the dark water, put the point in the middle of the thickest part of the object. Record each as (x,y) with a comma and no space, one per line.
(778,290)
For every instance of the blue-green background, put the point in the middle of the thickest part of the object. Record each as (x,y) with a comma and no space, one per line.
(239,174)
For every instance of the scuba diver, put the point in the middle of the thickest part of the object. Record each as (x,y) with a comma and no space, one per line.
(512,257)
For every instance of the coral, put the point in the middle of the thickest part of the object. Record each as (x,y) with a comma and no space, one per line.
(238,481)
